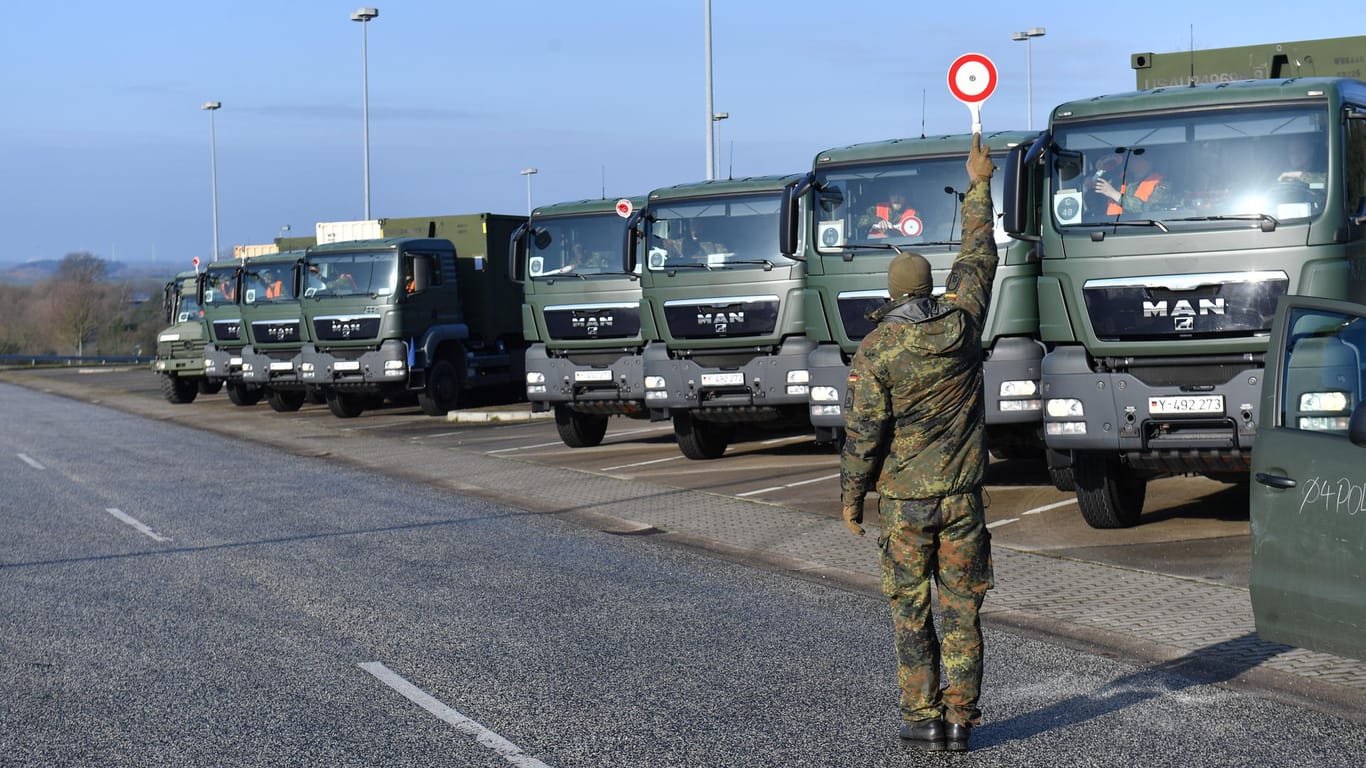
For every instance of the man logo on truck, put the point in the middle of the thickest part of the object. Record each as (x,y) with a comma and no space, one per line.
(345,328)
(1183,308)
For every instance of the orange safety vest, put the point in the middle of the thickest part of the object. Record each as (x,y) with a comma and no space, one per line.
(884,213)
(1144,191)
(274,290)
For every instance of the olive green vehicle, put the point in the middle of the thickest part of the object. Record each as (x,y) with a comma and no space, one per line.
(219,288)
(722,296)
(581,316)
(1330,57)
(434,316)
(180,346)
(273,331)
(846,272)
(1157,312)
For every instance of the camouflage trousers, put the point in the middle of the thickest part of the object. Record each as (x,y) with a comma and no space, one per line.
(944,540)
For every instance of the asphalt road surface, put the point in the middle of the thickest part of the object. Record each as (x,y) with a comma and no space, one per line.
(170,596)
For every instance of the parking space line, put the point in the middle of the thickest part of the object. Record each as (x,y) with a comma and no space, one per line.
(485,737)
(640,463)
(138,525)
(789,439)
(789,485)
(1047,507)
(29,461)
(524,447)
(1006,521)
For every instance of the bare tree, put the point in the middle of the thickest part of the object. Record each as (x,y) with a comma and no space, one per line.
(78,302)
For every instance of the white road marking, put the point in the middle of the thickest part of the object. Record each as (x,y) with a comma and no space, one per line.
(1047,507)
(489,739)
(790,485)
(776,440)
(137,524)
(525,447)
(640,463)
(31,462)
(1006,521)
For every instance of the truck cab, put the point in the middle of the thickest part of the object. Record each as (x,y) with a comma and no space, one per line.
(849,245)
(1174,221)
(219,286)
(722,296)
(581,316)
(274,330)
(180,346)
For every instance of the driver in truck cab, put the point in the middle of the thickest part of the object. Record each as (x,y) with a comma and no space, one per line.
(1141,184)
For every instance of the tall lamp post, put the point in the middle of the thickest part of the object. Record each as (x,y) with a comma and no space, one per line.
(711,116)
(528,173)
(1026,36)
(716,119)
(213,106)
(364,15)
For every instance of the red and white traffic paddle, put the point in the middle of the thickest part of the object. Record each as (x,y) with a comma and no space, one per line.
(972,78)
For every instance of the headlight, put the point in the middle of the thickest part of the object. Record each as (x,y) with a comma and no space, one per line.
(535,377)
(655,382)
(656,395)
(1325,402)
(393,365)
(1017,406)
(535,389)
(825,410)
(799,377)
(825,395)
(1065,427)
(1324,423)
(306,367)
(794,390)
(1064,408)
(1022,388)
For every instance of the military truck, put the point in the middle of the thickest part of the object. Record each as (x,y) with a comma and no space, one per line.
(722,301)
(1332,57)
(581,316)
(180,346)
(433,316)
(218,297)
(849,247)
(1157,310)
(273,330)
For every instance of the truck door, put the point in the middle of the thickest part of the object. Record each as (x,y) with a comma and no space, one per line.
(1308,498)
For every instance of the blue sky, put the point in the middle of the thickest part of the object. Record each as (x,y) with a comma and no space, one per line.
(105,148)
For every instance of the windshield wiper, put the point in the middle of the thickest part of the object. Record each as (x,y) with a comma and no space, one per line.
(689,265)
(553,278)
(768,265)
(1126,223)
(1269,222)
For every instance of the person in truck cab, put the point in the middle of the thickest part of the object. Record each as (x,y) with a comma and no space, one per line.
(1141,185)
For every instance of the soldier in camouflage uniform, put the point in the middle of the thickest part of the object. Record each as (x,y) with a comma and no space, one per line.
(915,427)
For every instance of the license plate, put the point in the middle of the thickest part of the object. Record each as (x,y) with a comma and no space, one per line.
(282,366)
(722,379)
(1178,404)
(347,365)
(592,375)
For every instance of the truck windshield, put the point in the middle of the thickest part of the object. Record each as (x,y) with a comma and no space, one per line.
(220,286)
(913,201)
(187,305)
(1245,163)
(716,233)
(581,245)
(364,273)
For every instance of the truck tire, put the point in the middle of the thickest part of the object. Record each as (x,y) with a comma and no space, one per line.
(579,430)
(1109,493)
(1062,479)
(177,390)
(700,440)
(207,387)
(286,400)
(345,405)
(243,394)
(442,393)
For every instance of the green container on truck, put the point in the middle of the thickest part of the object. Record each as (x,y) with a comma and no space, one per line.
(849,246)
(722,303)
(433,316)
(581,316)
(1329,57)
(180,346)
(273,329)
(218,296)
(1157,308)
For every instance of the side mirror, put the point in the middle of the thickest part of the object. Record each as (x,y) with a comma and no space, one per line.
(1020,183)
(1356,426)
(422,273)
(515,255)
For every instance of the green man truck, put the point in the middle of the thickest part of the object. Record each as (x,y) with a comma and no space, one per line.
(581,316)
(273,329)
(180,346)
(1175,219)
(854,230)
(218,296)
(433,315)
(722,296)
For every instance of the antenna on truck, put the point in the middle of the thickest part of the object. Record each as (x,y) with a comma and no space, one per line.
(922,113)
(1192,52)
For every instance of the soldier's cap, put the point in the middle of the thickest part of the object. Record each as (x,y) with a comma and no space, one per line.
(909,275)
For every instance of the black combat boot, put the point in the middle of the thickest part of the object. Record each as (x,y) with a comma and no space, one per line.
(925,734)
(956,737)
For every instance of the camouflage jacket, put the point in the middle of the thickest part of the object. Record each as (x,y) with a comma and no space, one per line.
(914,413)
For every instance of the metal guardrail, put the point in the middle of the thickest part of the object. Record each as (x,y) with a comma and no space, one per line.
(34,361)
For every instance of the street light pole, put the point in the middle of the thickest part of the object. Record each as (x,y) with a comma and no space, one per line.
(1026,36)
(364,15)
(213,106)
(711,119)
(716,119)
(528,173)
